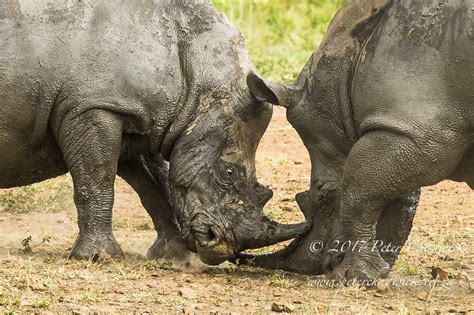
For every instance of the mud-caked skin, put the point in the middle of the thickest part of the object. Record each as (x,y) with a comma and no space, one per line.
(384,106)
(154,91)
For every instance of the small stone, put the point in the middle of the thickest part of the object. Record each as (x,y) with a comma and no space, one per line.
(376,294)
(201,307)
(431,311)
(422,295)
(282,308)
(289,209)
(277,294)
(464,266)
(447,258)
(37,288)
(438,273)
(187,293)
(119,291)
(382,287)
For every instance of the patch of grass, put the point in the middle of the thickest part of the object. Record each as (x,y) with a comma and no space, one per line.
(28,248)
(274,161)
(281,35)
(163,264)
(410,270)
(41,303)
(119,224)
(10,303)
(405,265)
(352,290)
(90,297)
(144,227)
(48,196)
(16,200)
(274,214)
(280,281)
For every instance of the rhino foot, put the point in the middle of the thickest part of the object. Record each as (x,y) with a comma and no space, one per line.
(361,266)
(101,247)
(175,251)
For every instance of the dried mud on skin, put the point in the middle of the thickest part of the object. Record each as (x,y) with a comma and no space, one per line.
(45,281)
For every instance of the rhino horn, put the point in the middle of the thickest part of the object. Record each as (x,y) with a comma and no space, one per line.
(268,232)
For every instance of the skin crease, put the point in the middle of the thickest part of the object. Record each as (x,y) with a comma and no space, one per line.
(384,107)
(154,91)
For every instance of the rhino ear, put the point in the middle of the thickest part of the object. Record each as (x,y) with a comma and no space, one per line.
(265,91)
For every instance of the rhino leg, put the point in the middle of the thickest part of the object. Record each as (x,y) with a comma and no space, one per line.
(90,144)
(153,193)
(381,167)
(395,223)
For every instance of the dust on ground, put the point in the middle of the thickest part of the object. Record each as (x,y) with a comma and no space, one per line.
(36,276)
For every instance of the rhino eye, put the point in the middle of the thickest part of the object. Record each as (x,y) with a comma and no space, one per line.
(229,171)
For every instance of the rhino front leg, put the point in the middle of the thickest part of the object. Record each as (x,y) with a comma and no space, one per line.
(149,178)
(381,167)
(90,144)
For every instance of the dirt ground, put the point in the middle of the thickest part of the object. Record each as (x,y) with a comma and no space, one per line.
(44,281)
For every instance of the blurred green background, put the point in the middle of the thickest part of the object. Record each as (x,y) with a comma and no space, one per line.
(280,34)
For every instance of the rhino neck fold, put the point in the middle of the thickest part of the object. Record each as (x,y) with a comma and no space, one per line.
(179,124)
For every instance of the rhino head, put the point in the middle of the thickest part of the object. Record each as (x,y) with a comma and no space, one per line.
(218,200)
(211,148)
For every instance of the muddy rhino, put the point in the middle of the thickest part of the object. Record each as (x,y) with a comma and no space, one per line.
(384,106)
(154,91)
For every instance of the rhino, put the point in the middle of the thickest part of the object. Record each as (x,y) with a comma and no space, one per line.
(384,106)
(153,91)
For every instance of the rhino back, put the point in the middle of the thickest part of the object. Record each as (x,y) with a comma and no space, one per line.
(417,69)
(86,50)
(63,56)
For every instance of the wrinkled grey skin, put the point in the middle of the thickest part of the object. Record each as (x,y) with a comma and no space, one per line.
(384,107)
(154,91)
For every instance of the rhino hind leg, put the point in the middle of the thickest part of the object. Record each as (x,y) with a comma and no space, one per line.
(395,223)
(380,167)
(90,144)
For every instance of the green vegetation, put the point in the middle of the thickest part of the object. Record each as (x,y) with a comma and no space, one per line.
(40,303)
(280,34)
(48,196)
(279,280)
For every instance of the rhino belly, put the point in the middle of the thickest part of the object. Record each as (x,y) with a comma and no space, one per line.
(28,150)
(22,163)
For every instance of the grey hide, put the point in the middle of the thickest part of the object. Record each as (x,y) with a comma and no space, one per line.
(384,106)
(154,91)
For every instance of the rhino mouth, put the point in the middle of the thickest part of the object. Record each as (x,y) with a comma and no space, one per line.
(210,243)
(214,246)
